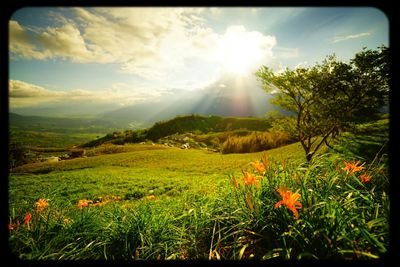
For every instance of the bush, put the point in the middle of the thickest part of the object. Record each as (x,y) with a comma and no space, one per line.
(105,149)
(255,142)
(16,155)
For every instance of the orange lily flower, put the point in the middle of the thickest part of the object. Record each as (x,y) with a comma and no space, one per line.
(365,178)
(290,201)
(28,218)
(41,204)
(259,167)
(83,203)
(250,179)
(352,167)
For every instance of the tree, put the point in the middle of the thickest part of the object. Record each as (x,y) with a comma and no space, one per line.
(330,97)
(16,155)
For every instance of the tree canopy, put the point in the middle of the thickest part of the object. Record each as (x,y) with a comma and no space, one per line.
(330,97)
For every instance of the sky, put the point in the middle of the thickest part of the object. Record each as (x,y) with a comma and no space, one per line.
(111,57)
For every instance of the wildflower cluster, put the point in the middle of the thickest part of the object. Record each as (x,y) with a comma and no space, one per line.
(40,205)
(254,177)
(251,183)
(352,168)
(82,203)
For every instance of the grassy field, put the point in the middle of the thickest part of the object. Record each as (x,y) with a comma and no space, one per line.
(156,202)
(162,169)
(51,139)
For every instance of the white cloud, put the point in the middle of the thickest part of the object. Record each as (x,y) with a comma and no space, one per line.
(153,43)
(23,94)
(149,42)
(341,38)
(20,89)
(26,94)
(22,44)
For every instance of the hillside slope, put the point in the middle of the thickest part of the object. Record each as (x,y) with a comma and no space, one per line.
(183,124)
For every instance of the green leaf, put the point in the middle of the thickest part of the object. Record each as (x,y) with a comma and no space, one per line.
(242,251)
(368,254)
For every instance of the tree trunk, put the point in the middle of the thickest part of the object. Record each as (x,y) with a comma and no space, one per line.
(309,157)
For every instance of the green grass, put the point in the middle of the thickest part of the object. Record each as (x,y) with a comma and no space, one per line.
(50,139)
(182,204)
(368,140)
(159,167)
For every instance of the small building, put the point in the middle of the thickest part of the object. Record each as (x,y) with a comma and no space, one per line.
(185,146)
(52,159)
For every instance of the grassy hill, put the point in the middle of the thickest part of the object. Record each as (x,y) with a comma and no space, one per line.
(183,124)
(202,124)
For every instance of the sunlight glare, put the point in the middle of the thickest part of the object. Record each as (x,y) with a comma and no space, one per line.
(240,53)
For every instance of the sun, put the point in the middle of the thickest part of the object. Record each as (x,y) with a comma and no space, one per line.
(240,54)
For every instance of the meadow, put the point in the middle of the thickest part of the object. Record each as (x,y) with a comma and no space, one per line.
(42,139)
(153,202)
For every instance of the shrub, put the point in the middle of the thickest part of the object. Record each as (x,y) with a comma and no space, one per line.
(254,142)
(105,149)
(16,155)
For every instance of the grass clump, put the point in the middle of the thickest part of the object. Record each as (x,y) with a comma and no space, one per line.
(255,142)
(340,215)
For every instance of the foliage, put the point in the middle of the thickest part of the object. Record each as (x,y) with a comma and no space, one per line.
(328,98)
(340,215)
(255,142)
(165,204)
(215,139)
(16,155)
(119,138)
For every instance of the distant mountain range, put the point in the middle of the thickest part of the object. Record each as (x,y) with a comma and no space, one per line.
(226,97)
(61,125)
